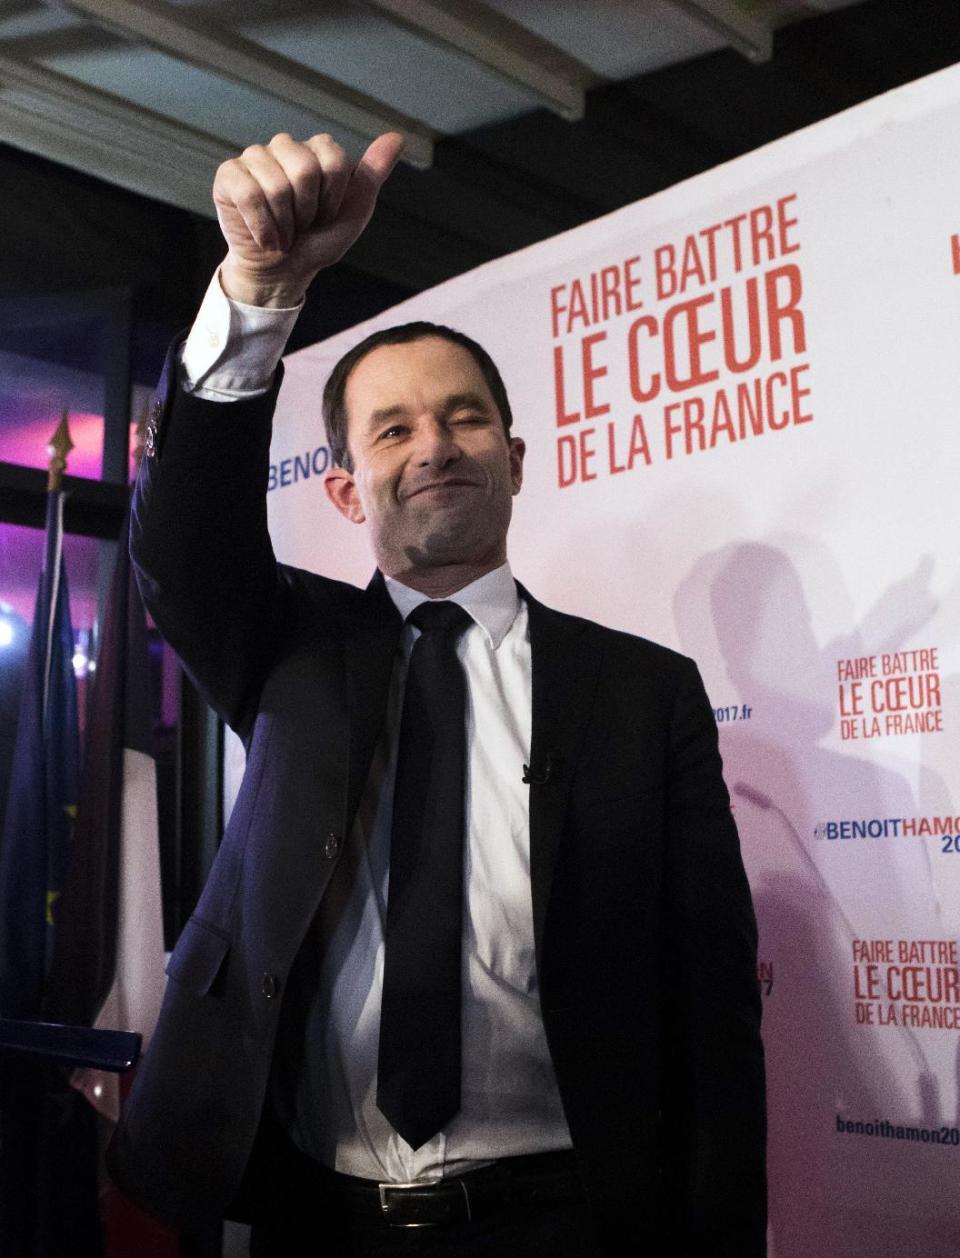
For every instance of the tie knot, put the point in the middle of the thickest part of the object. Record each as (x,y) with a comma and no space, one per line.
(448,618)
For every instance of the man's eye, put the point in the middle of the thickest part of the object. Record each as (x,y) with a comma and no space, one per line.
(471,419)
(395,430)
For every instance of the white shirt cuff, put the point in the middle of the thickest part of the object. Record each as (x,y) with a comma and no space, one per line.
(233,349)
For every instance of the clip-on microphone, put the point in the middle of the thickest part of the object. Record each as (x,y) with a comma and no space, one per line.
(541,776)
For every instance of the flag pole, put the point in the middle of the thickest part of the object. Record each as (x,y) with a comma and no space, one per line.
(58,447)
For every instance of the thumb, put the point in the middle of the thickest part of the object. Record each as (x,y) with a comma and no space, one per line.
(368,177)
(381,156)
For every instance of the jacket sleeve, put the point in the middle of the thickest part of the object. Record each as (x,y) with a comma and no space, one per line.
(199,541)
(715,1131)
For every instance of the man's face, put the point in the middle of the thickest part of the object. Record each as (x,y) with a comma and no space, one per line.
(433,470)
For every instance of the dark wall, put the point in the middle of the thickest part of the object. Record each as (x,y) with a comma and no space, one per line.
(65,232)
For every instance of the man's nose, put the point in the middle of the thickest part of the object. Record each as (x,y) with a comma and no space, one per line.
(436,445)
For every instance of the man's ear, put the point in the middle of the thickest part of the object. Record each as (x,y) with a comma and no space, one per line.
(518,448)
(342,491)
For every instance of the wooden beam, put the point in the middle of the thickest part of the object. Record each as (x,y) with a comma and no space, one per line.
(100,134)
(743,32)
(184,34)
(502,46)
(94,508)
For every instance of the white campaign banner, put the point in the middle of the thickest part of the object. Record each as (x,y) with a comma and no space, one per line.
(740,403)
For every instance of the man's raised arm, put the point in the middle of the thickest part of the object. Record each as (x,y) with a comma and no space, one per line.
(199,536)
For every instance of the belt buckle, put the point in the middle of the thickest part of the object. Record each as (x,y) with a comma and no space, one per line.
(384,1191)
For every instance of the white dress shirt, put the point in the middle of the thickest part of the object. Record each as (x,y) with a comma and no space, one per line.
(232,350)
(326,1086)
(509,1099)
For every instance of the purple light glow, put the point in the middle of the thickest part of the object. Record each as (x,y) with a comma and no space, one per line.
(21,554)
(23,440)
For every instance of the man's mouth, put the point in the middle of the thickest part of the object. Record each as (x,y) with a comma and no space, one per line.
(440,486)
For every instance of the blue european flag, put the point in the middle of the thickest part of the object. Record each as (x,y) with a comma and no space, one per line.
(42,796)
(34,848)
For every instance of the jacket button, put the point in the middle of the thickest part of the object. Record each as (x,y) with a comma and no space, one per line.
(331,846)
(270,986)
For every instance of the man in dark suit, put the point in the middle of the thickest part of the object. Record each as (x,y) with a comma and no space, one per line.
(603,1083)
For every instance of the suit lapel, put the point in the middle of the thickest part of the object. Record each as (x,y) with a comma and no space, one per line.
(371,646)
(566,661)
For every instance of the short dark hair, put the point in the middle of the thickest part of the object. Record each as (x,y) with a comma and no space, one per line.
(334,408)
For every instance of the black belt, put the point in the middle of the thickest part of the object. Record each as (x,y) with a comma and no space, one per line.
(508,1186)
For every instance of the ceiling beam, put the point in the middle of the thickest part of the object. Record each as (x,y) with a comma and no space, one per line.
(182,33)
(746,34)
(504,47)
(63,41)
(56,117)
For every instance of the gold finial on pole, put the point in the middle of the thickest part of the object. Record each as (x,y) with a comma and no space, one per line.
(58,447)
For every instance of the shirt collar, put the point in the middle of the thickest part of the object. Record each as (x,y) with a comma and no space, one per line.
(491,600)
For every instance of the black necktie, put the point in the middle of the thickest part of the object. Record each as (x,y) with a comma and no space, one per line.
(418,1071)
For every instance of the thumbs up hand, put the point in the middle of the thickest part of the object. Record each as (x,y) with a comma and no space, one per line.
(288,209)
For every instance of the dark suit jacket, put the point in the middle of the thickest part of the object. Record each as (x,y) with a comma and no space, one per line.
(644,930)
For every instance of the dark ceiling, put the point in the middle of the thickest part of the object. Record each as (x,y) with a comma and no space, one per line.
(493,190)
